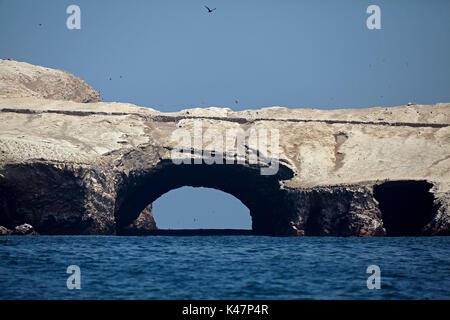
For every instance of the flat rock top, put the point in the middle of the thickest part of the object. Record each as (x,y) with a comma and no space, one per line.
(20,79)
(322,147)
(438,114)
(21,83)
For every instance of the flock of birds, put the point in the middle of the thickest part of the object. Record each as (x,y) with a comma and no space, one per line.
(209,11)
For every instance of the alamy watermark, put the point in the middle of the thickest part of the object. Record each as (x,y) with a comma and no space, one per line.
(374,20)
(74,280)
(374,281)
(230,146)
(74,20)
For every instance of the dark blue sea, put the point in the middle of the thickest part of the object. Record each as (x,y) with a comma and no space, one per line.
(223,267)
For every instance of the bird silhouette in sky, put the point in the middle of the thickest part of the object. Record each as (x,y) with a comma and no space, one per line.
(209,10)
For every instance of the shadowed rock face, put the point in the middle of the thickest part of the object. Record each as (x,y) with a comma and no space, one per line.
(76,168)
(144,222)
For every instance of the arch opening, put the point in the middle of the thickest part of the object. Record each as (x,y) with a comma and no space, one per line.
(406,206)
(260,194)
(200,208)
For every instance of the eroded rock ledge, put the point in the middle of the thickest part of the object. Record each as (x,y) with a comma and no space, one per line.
(68,167)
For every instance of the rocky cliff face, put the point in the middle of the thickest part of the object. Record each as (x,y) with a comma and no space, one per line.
(75,168)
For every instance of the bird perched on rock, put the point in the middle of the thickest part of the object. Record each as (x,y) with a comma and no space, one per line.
(209,10)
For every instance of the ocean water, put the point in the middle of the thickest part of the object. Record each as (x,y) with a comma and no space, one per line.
(223,267)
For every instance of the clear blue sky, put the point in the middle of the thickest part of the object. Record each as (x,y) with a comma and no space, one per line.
(173,54)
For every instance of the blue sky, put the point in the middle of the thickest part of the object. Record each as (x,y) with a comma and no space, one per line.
(171,55)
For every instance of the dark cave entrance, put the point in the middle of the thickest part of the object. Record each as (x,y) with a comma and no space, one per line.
(406,206)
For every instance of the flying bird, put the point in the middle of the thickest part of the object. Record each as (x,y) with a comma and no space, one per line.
(209,10)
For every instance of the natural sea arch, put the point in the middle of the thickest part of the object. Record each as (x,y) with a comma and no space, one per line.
(259,193)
